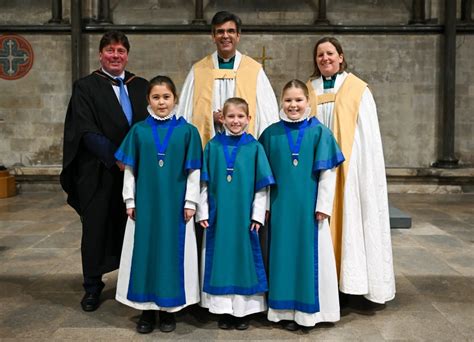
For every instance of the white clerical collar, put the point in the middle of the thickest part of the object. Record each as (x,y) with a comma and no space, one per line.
(156,117)
(122,75)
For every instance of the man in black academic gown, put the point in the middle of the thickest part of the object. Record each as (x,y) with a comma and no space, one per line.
(101,110)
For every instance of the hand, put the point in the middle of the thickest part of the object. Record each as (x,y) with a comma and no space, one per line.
(255,225)
(204,223)
(321,216)
(218,117)
(131,213)
(120,165)
(188,214)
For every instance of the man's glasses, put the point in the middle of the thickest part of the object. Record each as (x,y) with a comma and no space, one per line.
(221,32)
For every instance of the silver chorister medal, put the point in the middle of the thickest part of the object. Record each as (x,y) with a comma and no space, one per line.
(229,178)
(161,163)
(295,162)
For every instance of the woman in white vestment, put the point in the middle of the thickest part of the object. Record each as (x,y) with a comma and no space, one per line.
(360,225)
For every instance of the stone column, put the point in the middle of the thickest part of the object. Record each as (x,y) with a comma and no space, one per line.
(447,158)
(321,19)
(104,16)
(199,12)
(418,15)
(76,40)
(466,11)
(56,12)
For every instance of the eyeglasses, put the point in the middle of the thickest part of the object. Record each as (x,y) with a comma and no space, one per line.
(221,32)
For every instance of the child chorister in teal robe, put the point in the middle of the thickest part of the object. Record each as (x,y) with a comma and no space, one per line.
(302,272)
(162,157)
(235,175)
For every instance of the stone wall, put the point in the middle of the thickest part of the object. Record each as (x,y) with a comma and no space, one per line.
(32,108)
(403,72)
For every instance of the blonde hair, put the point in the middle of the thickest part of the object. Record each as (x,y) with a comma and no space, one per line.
(238,102)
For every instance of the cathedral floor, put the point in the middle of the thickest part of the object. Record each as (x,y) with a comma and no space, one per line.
(40,281)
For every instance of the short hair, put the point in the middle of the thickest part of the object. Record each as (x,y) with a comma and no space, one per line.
(295,83)
(111,37)
(159,80)
(337,45)
(223,17)
(238,102)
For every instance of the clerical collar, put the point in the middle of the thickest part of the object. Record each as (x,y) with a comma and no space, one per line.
(328,82)
(226,63)
(122,75)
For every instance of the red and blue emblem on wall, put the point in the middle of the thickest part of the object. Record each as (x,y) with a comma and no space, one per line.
(16,57)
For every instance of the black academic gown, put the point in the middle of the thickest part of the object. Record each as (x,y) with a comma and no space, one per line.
(94,190)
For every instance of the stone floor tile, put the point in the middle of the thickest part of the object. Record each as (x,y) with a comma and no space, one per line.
(420,261)
(425,326)
(20,241)
(60,239)
(459,314)
(444,288)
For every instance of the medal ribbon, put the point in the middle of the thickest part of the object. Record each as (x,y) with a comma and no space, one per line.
(230,158)
(295,148)
(161,147)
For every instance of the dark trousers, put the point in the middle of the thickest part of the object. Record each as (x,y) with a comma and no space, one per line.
(103,228)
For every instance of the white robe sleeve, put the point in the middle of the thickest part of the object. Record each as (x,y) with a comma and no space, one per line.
(185,107)
(128,190)
(192,189)
(202,212)
(326,189)
(259,206)
(267,106)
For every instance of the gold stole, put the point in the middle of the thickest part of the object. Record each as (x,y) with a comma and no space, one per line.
(346,111)
(245,87)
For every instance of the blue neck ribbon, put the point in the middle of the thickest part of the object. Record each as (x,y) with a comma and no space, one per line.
(161,147)
(295,147)
(230,158)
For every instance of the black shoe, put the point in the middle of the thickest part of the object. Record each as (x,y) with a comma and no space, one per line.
(167,321)
(146,323)
(225,322)
(343,300)
(90,301)
(290,325)
(241,323)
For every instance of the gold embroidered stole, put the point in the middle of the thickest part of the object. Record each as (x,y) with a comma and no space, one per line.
(245,87)
(345,113)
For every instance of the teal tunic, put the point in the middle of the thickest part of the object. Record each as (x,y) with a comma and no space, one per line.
(157,270)
(234,262)
(293,261)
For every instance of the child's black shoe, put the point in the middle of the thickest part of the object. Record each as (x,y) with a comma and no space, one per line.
(146,323)
(167,321)
(241,323)
(225,322)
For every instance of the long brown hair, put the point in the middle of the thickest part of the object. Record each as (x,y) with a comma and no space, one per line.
(338,47)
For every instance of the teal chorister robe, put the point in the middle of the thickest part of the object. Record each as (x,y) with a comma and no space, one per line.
(233,260)
(293,260)
(157,266)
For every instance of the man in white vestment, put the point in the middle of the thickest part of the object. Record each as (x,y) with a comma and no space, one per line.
(223,74)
